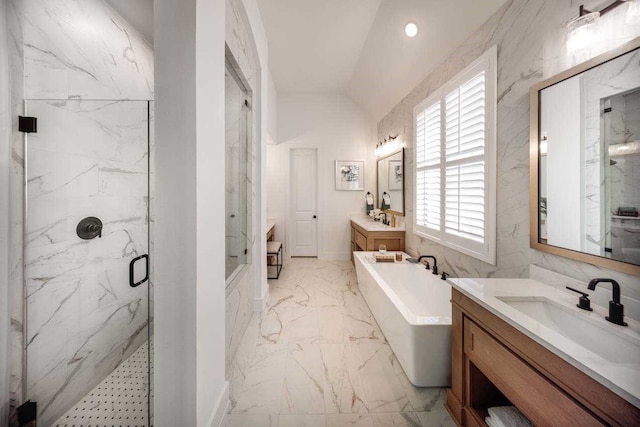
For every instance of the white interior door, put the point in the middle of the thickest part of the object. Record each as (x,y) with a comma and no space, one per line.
(304,202)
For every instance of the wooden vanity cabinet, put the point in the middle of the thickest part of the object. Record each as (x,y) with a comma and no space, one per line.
(494,364)
(364,240)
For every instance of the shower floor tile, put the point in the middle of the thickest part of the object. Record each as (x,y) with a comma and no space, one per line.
(120,400)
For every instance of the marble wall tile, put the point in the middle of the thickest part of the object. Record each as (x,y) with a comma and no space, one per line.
(239,309)
(601,296)
(83,49)
(531,38)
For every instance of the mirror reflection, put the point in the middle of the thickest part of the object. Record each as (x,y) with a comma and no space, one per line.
(391,182)
(589,189)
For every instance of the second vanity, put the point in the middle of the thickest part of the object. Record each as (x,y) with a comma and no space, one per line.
(520,342)
(368,235)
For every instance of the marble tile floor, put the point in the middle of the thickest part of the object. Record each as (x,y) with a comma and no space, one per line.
(120,400)
(316,357)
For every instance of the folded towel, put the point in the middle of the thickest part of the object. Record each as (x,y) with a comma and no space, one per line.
(489,422)
(508,416)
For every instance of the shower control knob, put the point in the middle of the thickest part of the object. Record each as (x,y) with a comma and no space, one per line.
(89,228)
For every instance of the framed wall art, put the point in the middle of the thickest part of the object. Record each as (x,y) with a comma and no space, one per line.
(350,175)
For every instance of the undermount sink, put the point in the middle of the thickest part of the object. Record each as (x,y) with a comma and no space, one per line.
(597,337)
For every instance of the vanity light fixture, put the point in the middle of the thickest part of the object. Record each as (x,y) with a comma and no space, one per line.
(633,12)
(581,32)
(411,29)
(387,146)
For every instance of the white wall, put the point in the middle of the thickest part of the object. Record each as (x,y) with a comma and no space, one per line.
(340,130)
(564,163)
(259,38)
(189,309)
(5,127)
(272,112)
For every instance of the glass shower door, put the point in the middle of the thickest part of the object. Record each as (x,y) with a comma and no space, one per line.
(86,245)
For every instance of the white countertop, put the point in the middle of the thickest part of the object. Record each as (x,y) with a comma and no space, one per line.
(370,225)
(621,378)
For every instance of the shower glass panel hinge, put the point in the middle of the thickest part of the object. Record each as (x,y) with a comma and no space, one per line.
(28,124)
(245,251)
(27,414)
(607,110)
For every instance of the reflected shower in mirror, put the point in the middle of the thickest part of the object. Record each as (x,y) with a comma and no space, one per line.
(391,182)
(589,161)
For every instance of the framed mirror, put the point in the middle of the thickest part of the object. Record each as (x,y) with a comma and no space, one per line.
(585,161)
(390,183)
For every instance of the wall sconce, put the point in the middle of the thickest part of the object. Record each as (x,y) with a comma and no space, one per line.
(581,32)
(388,146)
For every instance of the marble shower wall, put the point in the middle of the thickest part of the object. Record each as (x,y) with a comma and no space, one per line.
(531,38)
(83,317)
(63,49)
(243,57)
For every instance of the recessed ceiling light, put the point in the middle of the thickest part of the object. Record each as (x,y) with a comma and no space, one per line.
(411,29)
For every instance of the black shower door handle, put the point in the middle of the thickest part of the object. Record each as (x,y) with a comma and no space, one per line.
(146,274)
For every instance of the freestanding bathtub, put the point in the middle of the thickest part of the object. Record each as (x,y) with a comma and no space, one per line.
(413,308)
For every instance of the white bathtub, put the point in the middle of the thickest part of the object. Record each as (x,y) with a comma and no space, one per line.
(413,308)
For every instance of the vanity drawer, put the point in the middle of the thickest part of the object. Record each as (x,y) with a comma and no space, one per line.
(540,400)
(361,241)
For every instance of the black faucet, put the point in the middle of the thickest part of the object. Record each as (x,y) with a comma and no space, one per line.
(435,262)
(616,310)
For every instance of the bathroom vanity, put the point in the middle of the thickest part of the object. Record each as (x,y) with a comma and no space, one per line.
(368,235)
(519,342)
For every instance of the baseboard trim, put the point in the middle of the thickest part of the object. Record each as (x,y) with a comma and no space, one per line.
(333,256)
(219,416)
(259,303)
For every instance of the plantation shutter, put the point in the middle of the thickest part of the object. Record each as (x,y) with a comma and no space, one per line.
(428,160)
(455,162)
(465,124)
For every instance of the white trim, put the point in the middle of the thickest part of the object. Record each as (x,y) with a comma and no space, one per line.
(484,251)
(335,256)
(259,303)
(219,415)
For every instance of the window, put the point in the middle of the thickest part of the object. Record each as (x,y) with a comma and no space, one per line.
(455,162)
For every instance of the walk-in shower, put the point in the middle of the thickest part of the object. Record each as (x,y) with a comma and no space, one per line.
(86,243)
(237,111)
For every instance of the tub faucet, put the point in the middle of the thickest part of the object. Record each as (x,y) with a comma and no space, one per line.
(616,310)
(435,262)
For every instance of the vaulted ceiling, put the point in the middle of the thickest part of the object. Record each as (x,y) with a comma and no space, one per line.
(358,47)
